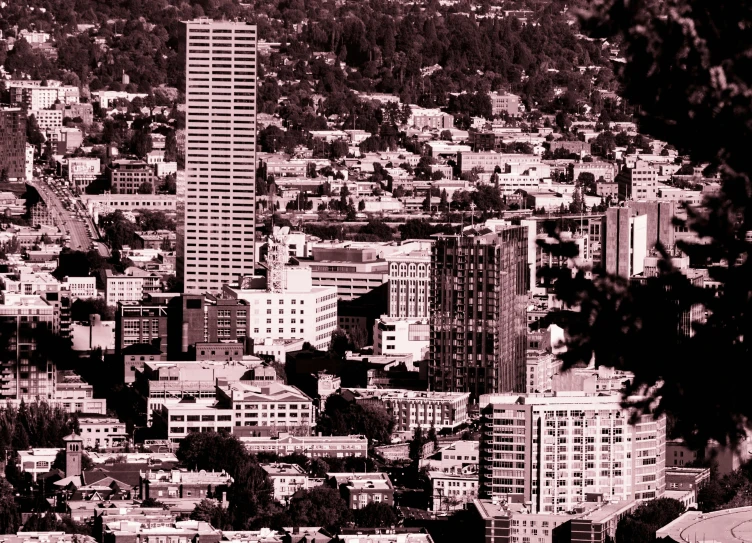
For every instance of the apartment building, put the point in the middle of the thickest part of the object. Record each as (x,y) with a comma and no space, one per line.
(122,288)
(479,297)
(360,489)
(294,309)
(311,446)
(84,112)
(47,119)
(452,491)
(13,143)
(220,152)
(457,457)
(80,287)
(430,118)
(127,176)
(286,479)
(177,532)
(541,366)
(409,283)
(553,449)
(402,336)
(32,96)
(605,170)
(412,409)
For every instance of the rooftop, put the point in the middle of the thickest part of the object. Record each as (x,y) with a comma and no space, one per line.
(716,527)
(283,469)
(396,393)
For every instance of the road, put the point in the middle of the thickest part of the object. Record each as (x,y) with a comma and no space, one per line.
(66,220)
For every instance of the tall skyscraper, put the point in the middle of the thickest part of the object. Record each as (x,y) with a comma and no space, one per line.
(13,143)
(551,451)
(478,303)
(220,152)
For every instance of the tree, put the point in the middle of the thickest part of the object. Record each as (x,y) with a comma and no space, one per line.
(149,220)
(212,512)
(341,417)
(319,506)
(82,308)
(416,445)
(375,515)
(171,147)
(10,515)
(686,74)
(33,134)
(212,451)
(378,229)
(640,525)
(145,188)
(361,205)
(141,143)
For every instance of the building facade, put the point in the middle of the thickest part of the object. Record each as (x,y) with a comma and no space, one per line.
(127,176)
(402,336)
(479,296)
(13,143)
(409,283)
(553,450)
(311,446)
(220,152)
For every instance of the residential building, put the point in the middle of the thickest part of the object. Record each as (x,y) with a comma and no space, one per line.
(13,143)
(267,410)
(504,102)
(163,240)
(47,119)
(102,433)
(32,97)
(458,457)
(541,368)
(479,297)
(180,484)
(65,140)
(409,283)
(412,409)
(402,336)
(360,489)
(679,479)
(289,308)
(679,453)
(127,176)
(451,491)
(80,287)
(220,202)
(639,182)
(29,168)
(37,461)
(552,450)
(429,118)
(286,479)
(25,371)
(605,170)
(84,112)
(311,446)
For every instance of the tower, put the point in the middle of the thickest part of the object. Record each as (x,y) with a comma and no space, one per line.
(478,312)
(73,453)
(220,153)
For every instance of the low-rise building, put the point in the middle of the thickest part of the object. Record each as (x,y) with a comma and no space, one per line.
(310,446)
(412,409)
(458,457)
(360,489)
(287,479)
(173,485)
(450,491)
(402,336)
(122,288)
(188,531)
(127,176)
(37,461)
(81,287)
(102,433)
(504,102)
(687,479)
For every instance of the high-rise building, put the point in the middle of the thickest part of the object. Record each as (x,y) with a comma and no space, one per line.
(409,283)
(478,302)
(552,451)
(624,241)
(220,152)
(13,143)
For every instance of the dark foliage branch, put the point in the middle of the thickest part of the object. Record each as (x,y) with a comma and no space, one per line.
(688,70)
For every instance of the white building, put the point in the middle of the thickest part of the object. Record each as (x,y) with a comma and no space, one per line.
(297,311)
(122,288)
(458,457)
(220,201)
(450,491)
(287,479)
(402,336)
(48,119)
(409,279)
(81,287)
(102,433)
(29,162)
(37,461)
(541,366)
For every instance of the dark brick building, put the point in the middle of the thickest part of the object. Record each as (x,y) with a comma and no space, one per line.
(13,143)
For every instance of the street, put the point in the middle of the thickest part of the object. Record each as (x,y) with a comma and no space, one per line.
(66,220)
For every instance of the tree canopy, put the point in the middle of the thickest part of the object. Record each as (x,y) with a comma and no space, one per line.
(341,417)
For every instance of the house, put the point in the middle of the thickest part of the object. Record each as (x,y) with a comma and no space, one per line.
(360,489)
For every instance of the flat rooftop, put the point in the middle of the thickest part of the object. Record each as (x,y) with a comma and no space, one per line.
(717,527)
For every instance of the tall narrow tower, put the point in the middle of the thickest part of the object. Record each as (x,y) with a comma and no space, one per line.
(73,452)
(220,152)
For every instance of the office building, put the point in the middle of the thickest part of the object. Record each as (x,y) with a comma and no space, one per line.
(487,161)
(639,182)
(458,457)
(311,446)
(625,242)
(102,432)
(220,152)
(410,409)
(504,102)
(402,336)
(289,308)
(552,450)
(138,322)
(82,171)
(451,491)
(127,176)
(13,143)
(409,283)
(47,119)
(479,330)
